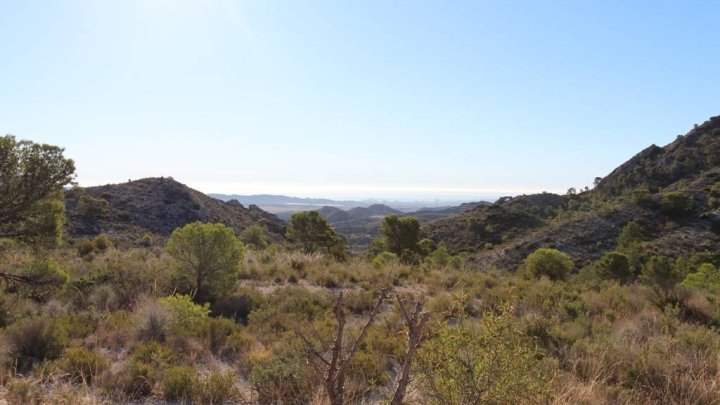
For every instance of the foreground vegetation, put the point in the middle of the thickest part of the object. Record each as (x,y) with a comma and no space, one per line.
(112,327)
(209,316)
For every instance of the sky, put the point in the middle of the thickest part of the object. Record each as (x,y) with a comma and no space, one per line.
(357,99)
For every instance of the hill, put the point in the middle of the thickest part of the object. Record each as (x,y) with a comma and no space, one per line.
(671,192)
(155,205)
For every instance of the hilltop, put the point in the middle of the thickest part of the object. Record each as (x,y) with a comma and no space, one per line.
(671,192)
(156,206)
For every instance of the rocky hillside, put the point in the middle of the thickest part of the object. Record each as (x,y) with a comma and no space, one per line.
(672,192)
(156,206)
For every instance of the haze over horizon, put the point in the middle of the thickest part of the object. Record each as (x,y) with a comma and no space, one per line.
(393,100)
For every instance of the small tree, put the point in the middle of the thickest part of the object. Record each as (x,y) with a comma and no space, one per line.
(548,262)
(614,265)
(32,177)
(207,258)
(255,237)
(401,235)
(311,232)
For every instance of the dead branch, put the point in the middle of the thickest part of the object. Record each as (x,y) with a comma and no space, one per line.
(333,369)
(415,323)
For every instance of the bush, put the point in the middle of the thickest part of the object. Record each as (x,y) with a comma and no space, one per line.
(152,321)
(216,388)
(551,263)
(641,196)
(707,278)
(85,247)
(186,316)
(237,307)
(142,371)
(487,363)
(23,392)
(614,265)
(102,242)
(81,365)
(281,381)
(676,204)
(384,258)
(254,237)
(179,384)
(48,278)
(33,340)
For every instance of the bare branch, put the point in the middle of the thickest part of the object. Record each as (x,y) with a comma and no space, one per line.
(415,325)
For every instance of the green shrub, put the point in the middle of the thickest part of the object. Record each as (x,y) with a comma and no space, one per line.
(48,277)
(217,331)
(216,388)
(384,258)
(281,380)
(551,263)
(660,272)
(179,384)
(641,196)
(237,307)
(254,237)
(707,277)
(615,266)
(488,363)
(81,365)
(85,247)
(23,392)
(33,340)
(186,316)
(676,204)
(142,371)
(102,242)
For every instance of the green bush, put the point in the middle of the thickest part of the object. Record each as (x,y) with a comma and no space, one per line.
(85,247)
(641,196)
(179,384)
(186,316)
(281,380)
(82,365)
(23,392)
(676,204)
(33,340)
(216,388)
(384,258)
(207,259)
(707,278)
(102,242)
(237,307)
(492,363)
(615,266)
(551,263)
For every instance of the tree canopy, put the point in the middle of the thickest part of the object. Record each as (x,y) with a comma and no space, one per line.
(310,231)
(32,177)
(207,258)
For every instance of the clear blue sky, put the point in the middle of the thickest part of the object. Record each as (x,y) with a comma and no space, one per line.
(357,98)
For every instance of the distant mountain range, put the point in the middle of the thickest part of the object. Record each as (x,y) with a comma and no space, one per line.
(275,199)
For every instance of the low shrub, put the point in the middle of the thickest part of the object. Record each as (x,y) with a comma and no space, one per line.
(179,384)
(218,387)
(82,365)
(33,340)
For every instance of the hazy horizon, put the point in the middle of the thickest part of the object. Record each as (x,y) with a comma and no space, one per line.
(366,100)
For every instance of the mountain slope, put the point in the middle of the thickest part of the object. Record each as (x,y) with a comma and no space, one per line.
(672,192)
(155,205)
